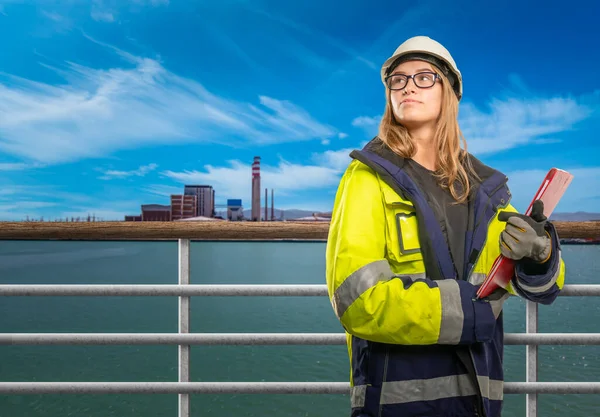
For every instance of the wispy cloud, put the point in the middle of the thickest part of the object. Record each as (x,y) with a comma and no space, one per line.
(17,166)
(369,124)
(140,172)
(510,122)
(516,122)
(102,16)
(105,11)
(162,190)
(316,35)
(99,111)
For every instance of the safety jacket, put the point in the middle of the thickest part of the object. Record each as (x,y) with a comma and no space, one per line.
(409,322)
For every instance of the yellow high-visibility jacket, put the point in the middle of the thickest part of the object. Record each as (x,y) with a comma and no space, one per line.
(409,322)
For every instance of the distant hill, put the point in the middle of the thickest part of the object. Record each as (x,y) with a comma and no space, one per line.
(579,216)
(287,214)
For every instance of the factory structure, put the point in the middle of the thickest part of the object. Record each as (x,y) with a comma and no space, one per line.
(197,203)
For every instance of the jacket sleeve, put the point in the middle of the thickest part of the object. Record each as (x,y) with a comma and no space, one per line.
(540,283)
(374,303)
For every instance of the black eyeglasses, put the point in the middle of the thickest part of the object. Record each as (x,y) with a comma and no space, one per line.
(421,80)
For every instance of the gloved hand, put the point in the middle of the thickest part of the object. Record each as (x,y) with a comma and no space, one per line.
(525,236)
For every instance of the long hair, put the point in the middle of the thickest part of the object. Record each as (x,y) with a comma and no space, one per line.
(454,167)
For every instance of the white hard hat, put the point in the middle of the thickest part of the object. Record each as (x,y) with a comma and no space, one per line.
(426,49)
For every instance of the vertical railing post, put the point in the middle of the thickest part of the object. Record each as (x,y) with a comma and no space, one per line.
(531,324)
(184,325)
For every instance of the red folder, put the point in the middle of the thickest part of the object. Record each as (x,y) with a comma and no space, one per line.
(550,192)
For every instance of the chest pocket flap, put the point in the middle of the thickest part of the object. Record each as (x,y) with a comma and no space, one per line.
(402,225)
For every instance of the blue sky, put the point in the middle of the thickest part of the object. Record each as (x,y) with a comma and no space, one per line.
(107,105)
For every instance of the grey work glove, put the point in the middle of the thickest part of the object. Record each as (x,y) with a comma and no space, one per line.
(525,236)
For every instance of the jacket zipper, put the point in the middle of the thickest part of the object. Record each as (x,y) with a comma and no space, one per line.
(468,273)
(479,396)
(385,370)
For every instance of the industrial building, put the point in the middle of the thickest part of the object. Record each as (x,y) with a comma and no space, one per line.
(156,213)
(198,203)
(183,206)
(205,197)
(133,218)
(235,211)
(255,217)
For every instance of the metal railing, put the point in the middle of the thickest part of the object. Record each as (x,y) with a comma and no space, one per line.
(184,290)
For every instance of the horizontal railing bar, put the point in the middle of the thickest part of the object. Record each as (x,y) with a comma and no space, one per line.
(174,387)
(588,290)
(162,290)
(255,387)
(172,339)
(254,339)
(552,387)
(219,290)
(552,339)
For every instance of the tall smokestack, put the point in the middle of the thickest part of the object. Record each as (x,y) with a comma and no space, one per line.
(266,205)
(272,207)
(256,189)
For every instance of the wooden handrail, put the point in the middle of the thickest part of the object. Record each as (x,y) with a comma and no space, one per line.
(208,230)
(149,230)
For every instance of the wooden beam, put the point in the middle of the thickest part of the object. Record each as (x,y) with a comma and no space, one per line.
(209,230)
(195,230)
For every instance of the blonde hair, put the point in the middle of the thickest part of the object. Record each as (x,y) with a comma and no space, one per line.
(454,166)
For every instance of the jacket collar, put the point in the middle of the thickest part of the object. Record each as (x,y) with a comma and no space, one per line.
(490,179)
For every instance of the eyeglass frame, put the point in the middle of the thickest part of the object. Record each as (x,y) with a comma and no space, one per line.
(436,77)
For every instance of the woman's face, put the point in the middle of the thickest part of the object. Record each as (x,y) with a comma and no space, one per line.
(415,106)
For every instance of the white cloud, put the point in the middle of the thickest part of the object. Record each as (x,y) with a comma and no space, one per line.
(514,122)
(336,160)
(102,16)
(369,124)
(17,166)
(234,180)
(53,16)
(583,193)
(342,135)
(510,122)
(162,190)
(104,11)
(99,111)
(140,172)
(366,121)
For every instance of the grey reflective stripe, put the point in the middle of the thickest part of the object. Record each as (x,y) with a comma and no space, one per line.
(491,388)
(357,396)
(452,312)
(399,392)
(546,286)
(359,282)
(477,278)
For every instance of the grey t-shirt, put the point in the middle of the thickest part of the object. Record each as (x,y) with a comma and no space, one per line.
(452,217)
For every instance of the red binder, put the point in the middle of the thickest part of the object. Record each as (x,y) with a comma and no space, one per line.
(550,192)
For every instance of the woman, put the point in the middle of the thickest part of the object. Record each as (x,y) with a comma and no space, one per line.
(416,225)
